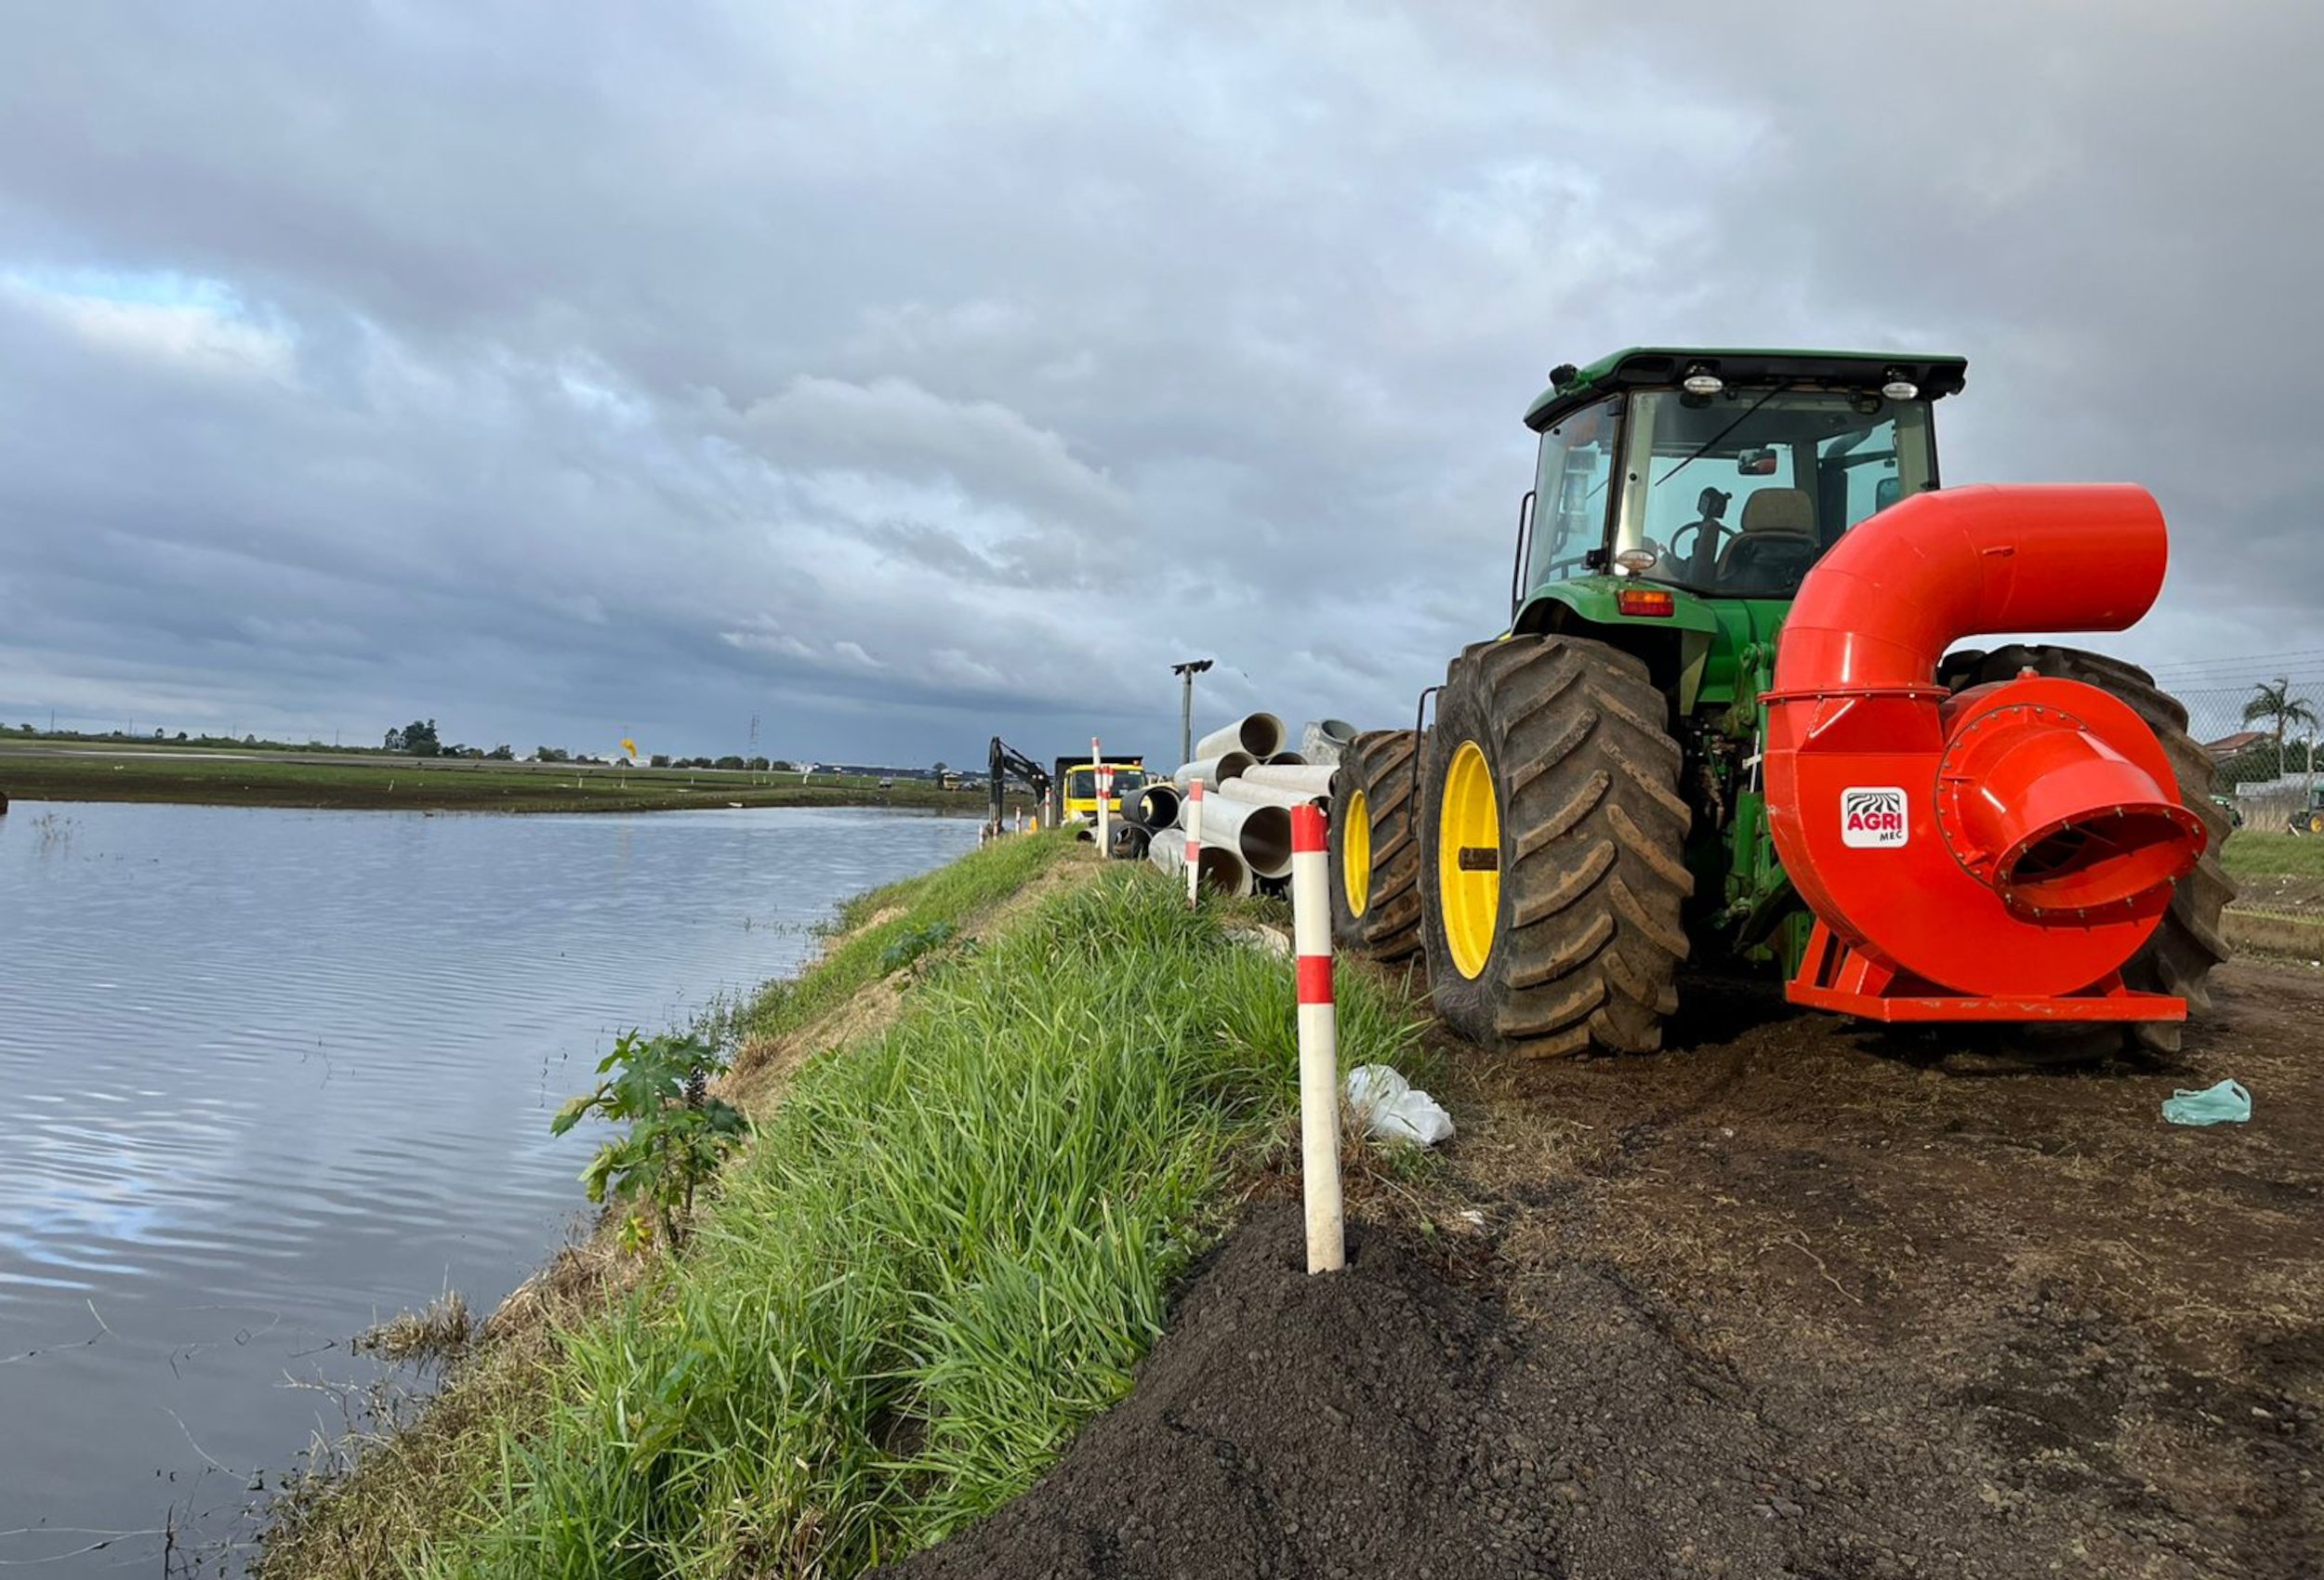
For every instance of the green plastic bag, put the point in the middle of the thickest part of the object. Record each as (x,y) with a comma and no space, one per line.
(2226,1103)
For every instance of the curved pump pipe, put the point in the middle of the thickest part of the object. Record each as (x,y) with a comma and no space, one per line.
(2016,841)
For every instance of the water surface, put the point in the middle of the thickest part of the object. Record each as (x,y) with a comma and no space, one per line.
(271,1074)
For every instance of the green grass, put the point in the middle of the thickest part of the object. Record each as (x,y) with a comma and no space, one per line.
(433,784)
(939,1255)
(2256,853)
(945,898)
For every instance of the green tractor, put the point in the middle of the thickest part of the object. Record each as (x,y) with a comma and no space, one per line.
(1626,780)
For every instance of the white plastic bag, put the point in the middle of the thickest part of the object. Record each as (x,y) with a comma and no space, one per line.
(1385,1104)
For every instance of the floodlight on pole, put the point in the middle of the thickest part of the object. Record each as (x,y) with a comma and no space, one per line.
(1187,672)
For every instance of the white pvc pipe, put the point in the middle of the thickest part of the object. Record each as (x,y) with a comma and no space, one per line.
(1261,835)
(1323,739)
(1221,871)
(1211,770)
(1312,778)
(1267,795)
(1257,733)
(1319,1047)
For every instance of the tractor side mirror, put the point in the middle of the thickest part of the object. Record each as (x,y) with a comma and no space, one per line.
(1886,493)
(1759,461)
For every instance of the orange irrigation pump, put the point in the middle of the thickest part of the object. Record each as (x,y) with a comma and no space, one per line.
(1995,853)
(1729,722)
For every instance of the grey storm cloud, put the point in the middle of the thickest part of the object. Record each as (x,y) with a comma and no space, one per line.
(906,374)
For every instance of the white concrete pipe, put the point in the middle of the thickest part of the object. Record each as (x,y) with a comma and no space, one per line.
(1283,760)
(1322,740)
(1262,833)
(1261,734)
(1221,869)
(1312,779)
(1252,794)
(1158,806)
(1214,770)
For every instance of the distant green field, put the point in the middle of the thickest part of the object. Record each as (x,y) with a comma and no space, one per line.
(438,784)
(2253,853)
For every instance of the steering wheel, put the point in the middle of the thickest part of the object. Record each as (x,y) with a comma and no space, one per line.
(1720,532)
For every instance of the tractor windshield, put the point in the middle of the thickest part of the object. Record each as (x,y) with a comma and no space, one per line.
(1739,493)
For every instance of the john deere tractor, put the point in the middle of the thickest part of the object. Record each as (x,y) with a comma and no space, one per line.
(1728,723)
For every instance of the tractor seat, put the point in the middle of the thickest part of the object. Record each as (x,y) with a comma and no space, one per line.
(1776,544)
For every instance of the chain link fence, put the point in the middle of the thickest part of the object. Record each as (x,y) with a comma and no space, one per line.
(2268,779)
(2263,724)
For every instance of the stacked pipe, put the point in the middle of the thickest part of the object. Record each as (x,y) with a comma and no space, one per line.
(1252,785)
(1219,870)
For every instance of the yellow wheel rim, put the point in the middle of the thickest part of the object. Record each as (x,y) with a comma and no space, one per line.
(1469,860)
(1356,854)
(2316,823)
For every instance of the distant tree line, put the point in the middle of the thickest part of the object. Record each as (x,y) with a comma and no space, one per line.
(735,764)
(418,739)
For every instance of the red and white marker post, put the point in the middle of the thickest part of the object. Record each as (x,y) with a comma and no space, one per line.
(1194,844)
(1319,1043)
(1101,781)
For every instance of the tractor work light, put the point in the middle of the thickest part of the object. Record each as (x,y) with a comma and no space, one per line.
(1702,383)
(1637,561)
(1899,388)
(1645,600)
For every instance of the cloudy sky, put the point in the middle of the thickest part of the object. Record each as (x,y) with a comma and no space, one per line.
(901,375)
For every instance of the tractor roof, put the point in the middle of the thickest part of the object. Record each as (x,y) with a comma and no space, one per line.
(1664,365)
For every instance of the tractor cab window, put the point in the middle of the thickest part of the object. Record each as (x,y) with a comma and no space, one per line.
(1570,493)
(1739,494)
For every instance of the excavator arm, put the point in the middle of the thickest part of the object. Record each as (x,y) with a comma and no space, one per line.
(1010,763)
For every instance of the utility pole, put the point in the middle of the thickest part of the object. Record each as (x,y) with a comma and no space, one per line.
(1187,673)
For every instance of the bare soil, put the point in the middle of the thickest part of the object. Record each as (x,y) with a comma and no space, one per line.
(1794,1297)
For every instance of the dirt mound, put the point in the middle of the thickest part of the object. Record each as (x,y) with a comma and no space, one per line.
(1798,1299)
(1393,1421)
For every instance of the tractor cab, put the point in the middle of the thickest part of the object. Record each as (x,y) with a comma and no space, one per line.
(1725,474)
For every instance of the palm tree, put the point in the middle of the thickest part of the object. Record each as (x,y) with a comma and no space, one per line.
(2273,700)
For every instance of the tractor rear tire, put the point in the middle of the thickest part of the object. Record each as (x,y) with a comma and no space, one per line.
(2179,958)
(1375,851)
(1553,860)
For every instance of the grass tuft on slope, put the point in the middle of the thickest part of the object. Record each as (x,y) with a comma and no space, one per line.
(941,1253)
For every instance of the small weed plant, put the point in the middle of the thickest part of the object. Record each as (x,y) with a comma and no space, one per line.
(913,942)
(677,1132)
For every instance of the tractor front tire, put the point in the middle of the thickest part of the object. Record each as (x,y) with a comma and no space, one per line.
(1553,863)
(2179,958)
(1375,856)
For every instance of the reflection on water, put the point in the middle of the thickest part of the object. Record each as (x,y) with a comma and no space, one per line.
(273,1073)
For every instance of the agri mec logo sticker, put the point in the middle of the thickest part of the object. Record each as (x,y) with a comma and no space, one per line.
(1873,819)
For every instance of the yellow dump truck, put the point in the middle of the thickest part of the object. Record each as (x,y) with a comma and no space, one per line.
(1075,792)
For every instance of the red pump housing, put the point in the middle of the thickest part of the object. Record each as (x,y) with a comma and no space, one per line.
(1995,854)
